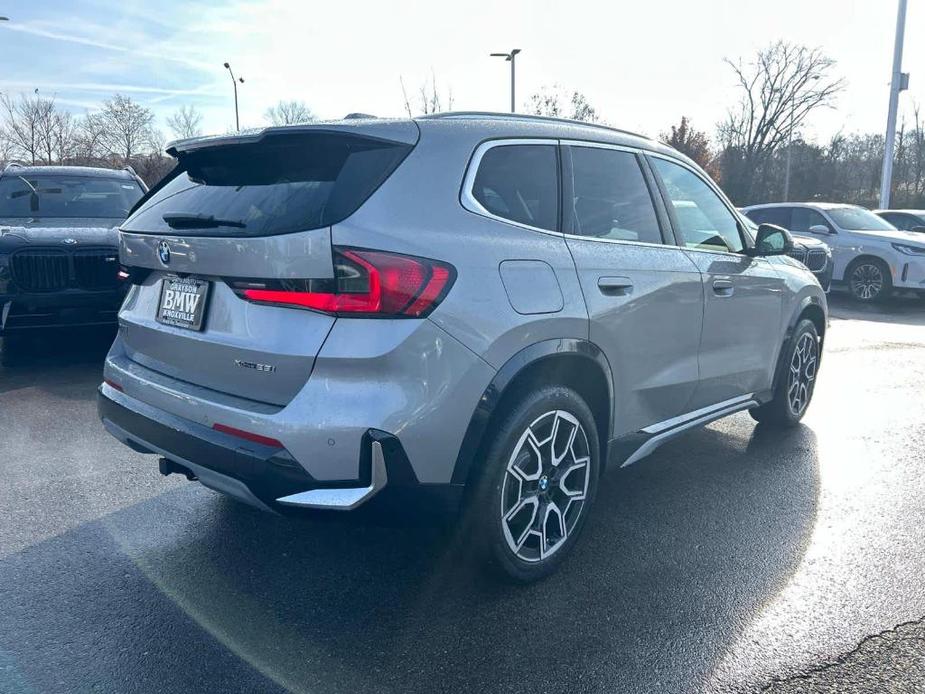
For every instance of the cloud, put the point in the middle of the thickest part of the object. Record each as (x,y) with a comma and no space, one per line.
(34,30)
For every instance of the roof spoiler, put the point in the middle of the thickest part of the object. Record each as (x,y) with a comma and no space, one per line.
(403,131)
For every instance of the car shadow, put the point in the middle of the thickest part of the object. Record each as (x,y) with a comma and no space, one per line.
(899,308)
(194,591)
(55,358)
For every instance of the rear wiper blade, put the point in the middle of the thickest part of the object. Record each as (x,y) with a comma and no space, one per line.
(180,220)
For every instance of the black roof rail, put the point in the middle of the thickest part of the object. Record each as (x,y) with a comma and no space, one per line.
(531,117)
(355,116)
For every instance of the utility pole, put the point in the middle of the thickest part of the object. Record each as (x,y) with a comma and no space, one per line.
(234,82)
(898,81)
(509,57)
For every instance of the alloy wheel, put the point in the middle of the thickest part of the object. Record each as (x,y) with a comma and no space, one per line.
(545,486)
(867,281)
(803,365)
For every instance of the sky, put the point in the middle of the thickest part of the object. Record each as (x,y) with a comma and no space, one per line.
(641,63)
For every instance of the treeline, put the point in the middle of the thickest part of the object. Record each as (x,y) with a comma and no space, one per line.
(780,87)
(121,132)
(846,169)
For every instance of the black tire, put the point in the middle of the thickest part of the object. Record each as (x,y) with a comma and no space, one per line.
(869,280)
(781,410)
(11,349)
(492,538)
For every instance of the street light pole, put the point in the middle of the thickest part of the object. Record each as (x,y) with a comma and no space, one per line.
(509,57)
(234,82)
(789,152)
(898,82)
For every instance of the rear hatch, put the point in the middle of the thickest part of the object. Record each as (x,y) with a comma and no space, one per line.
(238,212)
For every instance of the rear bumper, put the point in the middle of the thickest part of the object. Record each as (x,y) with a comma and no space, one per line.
(266,476)
(59,309)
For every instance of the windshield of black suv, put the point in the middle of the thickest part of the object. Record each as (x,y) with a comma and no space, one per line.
(49,195)
(859,219)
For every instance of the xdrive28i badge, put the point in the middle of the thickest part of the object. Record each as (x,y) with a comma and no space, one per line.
(163,252)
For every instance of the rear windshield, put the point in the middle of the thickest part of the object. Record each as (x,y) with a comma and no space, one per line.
(43,195)
(279,185)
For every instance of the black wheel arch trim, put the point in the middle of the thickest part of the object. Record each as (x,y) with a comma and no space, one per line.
(805,302)
(491,397)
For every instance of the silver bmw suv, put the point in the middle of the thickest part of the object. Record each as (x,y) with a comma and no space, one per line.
(475,310)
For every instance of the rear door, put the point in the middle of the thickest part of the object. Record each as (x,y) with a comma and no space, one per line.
(743,295)
(242,215)
(644,297)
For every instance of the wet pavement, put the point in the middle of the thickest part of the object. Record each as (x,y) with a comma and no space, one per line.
(735,558)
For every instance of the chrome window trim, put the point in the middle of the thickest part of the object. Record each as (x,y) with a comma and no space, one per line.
(470,204)
(467,198)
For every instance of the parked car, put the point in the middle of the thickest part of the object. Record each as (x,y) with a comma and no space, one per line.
(59,255)
(871,256)
(906,220)
(328,316)
(813,253)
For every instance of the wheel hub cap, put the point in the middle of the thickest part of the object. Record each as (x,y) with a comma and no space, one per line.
(545,485)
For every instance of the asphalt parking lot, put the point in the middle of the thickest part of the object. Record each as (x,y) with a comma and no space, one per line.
(733,559)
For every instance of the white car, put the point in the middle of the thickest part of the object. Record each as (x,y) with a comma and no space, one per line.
(871,256)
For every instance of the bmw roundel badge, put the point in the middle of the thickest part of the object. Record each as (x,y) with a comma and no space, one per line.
(163,252)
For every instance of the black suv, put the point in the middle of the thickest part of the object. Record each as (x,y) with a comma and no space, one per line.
(59,256)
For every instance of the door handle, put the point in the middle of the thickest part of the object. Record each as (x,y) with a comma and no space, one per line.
(723,287)
(615,286)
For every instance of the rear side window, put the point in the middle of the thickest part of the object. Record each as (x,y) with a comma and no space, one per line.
(520,183)
(771,215)
(282,184)
(610,198)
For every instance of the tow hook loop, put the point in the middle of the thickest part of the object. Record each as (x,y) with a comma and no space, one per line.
(168,467)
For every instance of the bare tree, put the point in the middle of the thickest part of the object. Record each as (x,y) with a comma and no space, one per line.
(780,88)
(690,141)
(24,118)
(123,128)
(185,122)
(430,98)
(557,102)
(289,113)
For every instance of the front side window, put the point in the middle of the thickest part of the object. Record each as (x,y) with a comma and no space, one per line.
(704,222)
(48,195)
(804,218)
(520,183)
(610,198)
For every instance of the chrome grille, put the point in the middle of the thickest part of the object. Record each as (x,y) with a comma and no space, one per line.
(40,270)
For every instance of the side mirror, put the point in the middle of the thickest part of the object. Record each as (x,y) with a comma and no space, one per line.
(819,229)
(919,229)
(772,240)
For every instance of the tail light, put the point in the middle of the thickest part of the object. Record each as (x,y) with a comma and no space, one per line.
(366,283)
